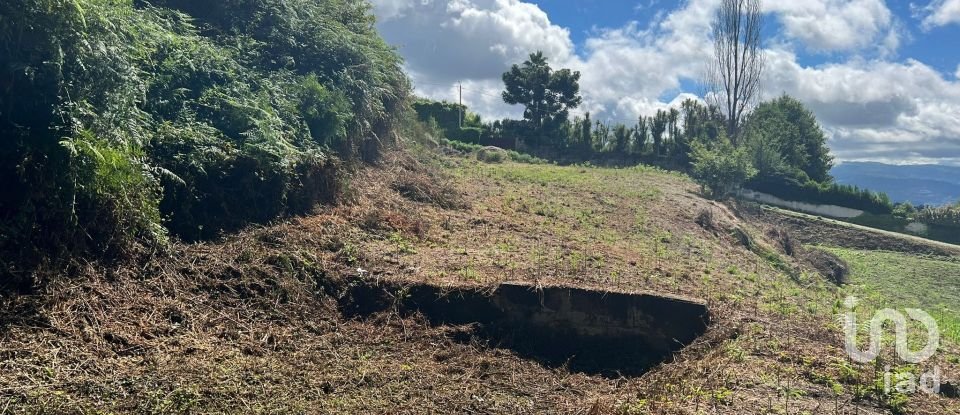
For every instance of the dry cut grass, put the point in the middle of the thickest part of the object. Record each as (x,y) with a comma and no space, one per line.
(254,323)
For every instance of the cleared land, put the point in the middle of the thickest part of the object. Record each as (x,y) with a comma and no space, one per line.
(261,321)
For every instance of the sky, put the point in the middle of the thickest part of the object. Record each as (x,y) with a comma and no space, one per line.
(883,77)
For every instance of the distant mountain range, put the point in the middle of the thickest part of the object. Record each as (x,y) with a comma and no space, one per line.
(926,184)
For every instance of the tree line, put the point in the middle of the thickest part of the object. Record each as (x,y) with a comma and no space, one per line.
(725,141)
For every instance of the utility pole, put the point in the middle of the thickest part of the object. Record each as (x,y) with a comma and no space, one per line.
(460,107)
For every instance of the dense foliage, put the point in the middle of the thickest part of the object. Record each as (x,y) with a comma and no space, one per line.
(947,216)
(122,121)
(547,95)
(784,138)
(721,169)
(824,193)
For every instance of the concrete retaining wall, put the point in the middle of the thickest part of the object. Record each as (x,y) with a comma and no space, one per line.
(832,211)
(588,331)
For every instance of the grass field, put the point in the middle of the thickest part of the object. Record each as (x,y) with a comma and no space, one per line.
(899,280)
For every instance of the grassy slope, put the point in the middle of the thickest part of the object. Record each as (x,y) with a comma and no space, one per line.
(898,280)
(251,323)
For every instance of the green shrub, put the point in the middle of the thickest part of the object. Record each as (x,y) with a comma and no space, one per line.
(474,148)
(948,216)
(123,122)
(721,170)
(491,155)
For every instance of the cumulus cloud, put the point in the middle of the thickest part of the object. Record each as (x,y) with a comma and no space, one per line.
(390,9)
(472,41)
(876,109)
(468,39)
(940,13)
(871,107)
(626,70)
(837,25)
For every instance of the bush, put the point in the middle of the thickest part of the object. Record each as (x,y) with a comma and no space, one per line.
(492,155)
(473,148)
(722,170)
(948,216)
(124,122)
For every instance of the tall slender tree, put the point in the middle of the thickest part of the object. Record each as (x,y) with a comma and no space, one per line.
(621,138)
(733,76)
(658,126)
(642,134)
(586,137)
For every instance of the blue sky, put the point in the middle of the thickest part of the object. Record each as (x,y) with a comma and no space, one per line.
(937,48)
(881,75)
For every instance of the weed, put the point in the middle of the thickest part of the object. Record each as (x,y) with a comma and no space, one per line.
(404,247)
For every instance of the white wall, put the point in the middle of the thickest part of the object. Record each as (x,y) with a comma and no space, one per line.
(832,211)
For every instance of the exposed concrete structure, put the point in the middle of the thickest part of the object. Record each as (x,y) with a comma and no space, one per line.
(591,331)
(832,211)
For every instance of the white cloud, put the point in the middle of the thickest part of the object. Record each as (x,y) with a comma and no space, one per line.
(469,39)
(391,9)
(626,70)
(473,41)
(941,13)
(872,108)
(957,74)
(876,109)
(837,25)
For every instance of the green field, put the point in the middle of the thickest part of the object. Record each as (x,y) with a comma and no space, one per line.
(897,280)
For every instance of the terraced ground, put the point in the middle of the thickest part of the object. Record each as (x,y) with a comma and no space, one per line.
(264,321)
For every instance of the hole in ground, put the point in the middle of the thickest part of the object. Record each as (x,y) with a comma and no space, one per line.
(592,332)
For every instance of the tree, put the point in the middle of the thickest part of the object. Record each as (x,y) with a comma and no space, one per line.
(586,137)
(694,119)
(679,150)
(722,169)
(621,138)
(642,134)
(673,118)
(734,73)
(658,125)
(548,95)
(600,136)
(785,139)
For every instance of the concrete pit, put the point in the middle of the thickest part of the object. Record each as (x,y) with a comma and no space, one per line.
(593,332)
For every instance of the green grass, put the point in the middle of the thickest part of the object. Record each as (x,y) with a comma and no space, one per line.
(898,281)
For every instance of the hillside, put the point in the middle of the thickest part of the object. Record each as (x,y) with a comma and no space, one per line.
(308,316)
(239,206)
(918,184)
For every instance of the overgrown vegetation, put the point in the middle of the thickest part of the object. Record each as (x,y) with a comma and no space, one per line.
(125,121)
(946,216)
(825,193)
(722,169)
